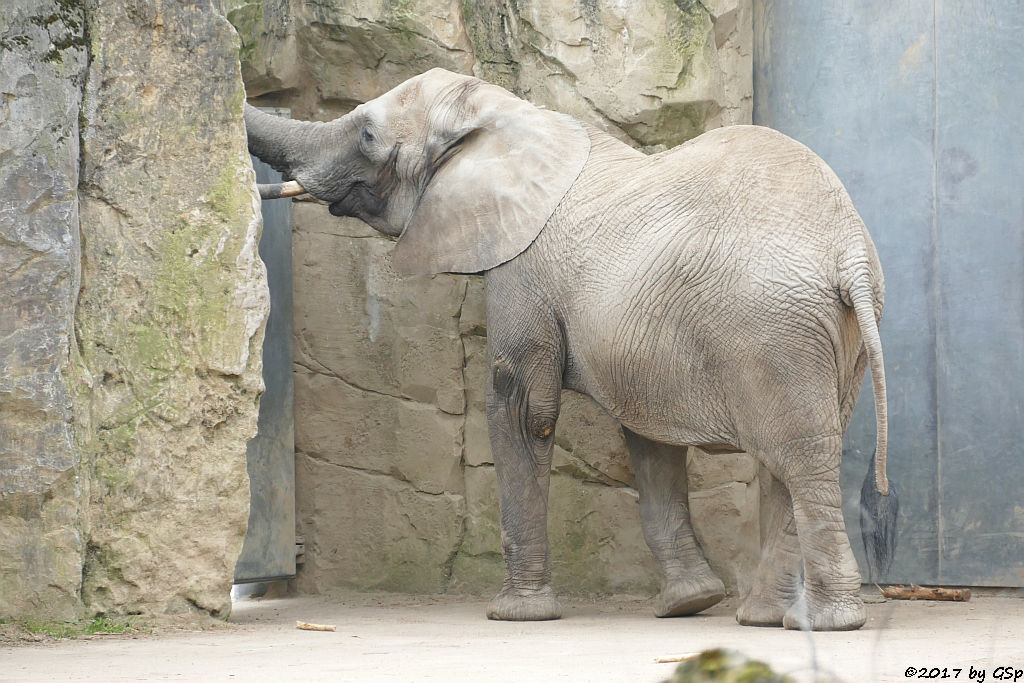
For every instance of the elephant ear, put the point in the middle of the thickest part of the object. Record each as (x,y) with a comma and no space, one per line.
(497,167)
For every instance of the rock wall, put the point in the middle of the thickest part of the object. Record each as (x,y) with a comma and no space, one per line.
(133,308)
(42,70)
(172,308)
(653,73)
(395,482)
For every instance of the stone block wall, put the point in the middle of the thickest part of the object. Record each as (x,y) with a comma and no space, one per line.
(395,482)
(132,308)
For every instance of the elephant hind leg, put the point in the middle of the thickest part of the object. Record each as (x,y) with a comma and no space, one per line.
(777,583)
(688,585)
(809,468)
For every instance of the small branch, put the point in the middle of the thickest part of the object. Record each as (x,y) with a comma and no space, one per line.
(676,658)
(915,592)
(305,626)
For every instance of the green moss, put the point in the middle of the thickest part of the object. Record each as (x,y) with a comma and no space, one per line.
(12,42)
(476,574)
(128,118)
(673,125)
(725,666)
(155,349)
(576,539)
(192,290)
(64,28)
(228,198)
(68,6)
(53,629)
(189,315)
(400,12)
(108,625)
(189,130)
(580,545)
(70,33)
(114,447)
(485,28)
(235,101)
(77,629)
(114,478)
(688,29)
(188,289)
(684,122)
(248,20)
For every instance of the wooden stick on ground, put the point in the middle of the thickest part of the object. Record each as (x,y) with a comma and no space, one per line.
(676,658)
(915,592)
(306,626)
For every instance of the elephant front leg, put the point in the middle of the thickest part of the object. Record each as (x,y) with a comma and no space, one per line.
(522,407)
(688,585)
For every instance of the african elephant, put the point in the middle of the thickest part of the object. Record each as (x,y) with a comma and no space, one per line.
(724,294)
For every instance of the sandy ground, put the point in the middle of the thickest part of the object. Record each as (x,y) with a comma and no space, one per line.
(382,637)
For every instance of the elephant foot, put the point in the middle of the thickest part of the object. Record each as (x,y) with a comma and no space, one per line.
(766,605)
(518,604)
(762,611)
(680,597)
(843,612)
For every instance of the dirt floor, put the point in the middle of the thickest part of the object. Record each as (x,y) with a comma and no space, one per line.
(385,637)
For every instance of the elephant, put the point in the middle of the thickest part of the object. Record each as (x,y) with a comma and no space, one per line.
(724,294)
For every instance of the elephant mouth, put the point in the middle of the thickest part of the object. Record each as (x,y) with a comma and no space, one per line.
(339,209)
(359,201)
(363,203)
(346,204)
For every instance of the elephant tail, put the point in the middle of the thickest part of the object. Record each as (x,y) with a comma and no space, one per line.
(862,301)
(879,504)
(878,516)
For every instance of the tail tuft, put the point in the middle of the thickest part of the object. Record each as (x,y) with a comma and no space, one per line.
(878,515)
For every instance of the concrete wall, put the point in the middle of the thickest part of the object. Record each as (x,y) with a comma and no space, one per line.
(395,482)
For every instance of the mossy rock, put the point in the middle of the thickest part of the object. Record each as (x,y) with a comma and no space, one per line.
(725,666)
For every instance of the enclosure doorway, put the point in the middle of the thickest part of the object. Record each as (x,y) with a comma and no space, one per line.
(270,545)
(912,104)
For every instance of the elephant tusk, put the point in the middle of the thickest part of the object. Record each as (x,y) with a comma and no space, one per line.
(280,190)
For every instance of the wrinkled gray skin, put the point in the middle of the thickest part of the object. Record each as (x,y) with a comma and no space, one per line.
(714,295)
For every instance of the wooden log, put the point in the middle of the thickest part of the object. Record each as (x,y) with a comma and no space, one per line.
(915,592)
(306,626)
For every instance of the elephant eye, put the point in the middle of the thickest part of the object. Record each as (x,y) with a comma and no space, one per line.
(367,135)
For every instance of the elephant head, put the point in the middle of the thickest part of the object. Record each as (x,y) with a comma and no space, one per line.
(462,171)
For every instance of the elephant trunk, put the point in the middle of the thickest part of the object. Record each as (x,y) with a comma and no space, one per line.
(286,145)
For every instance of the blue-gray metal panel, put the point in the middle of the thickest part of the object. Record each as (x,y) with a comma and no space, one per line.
(854,82)
(980,169)
(269,549)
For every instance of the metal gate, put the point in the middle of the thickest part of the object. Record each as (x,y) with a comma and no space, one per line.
(918,106)
(269,550)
